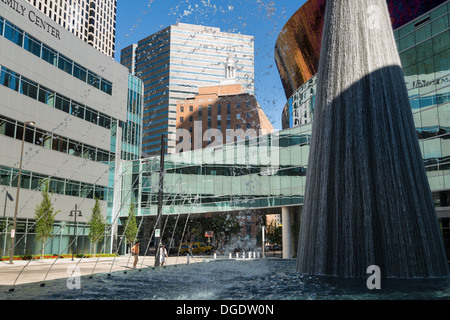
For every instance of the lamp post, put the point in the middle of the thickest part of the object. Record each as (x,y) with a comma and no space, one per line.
(13,231)
(75,213)
(7,196)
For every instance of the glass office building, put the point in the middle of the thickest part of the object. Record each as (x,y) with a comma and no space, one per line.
(259,173)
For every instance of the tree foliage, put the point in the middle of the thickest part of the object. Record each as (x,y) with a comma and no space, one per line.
(96,225)
(131,228)
(45,215)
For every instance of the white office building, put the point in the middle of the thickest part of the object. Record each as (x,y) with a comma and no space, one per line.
(77,98)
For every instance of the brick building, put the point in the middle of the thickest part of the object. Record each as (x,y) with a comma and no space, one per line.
(228,108)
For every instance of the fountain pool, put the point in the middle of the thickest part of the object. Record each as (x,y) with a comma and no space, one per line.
(259,279)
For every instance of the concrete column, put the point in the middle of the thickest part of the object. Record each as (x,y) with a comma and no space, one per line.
(287,234)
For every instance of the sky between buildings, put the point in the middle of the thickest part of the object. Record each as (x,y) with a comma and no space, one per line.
(137,19)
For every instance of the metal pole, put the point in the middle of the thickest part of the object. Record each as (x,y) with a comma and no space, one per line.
(75,212)
(13,231)
(263,240)
(160,200)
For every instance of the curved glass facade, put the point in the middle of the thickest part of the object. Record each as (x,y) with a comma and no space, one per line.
(423,45)
(297,49)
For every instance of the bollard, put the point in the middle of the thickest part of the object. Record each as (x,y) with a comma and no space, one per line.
(237,255)
(230,255)
(215,255)
(187,258)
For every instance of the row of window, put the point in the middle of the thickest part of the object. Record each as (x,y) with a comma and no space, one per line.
(21,84)
(426,49)
(219,117)
(219,107)
(51,141)
(41,50)
(32,181)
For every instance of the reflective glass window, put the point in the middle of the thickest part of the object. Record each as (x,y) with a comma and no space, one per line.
(29,88)
(7,127)
(77,110)
(407,42)
(57,186)
(13,34)
(91,115)
(94,80)
(62,103)
(439,25)
(442,63)
(425,71)
(32,45)
(5,176)
(441,41)
(423,33)
(408,57)
(39,138)
(79,72)
(72,188)
(424,50)
(36,181)
(49,55)
(106,86)
(46,96)
(65,64)
(9,79)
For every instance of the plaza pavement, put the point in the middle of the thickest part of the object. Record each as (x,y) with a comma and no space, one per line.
(22,271)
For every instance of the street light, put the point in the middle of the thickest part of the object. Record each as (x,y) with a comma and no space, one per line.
(75,213)
(7,196)
(13,231)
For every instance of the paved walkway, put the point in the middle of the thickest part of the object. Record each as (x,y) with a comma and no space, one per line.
(21,272)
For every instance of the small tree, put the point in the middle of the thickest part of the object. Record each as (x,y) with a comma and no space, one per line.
(45,215)
(131,229)
(96,225)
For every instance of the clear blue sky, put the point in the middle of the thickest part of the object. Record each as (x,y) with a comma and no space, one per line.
(262,19)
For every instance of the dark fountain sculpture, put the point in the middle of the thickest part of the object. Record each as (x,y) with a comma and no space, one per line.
(367,198)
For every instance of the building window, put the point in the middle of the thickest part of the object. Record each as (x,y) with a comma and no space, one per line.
(181,109)
(191,108)
(181,119)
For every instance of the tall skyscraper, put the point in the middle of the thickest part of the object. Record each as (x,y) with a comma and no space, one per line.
(174,62)
(93,21)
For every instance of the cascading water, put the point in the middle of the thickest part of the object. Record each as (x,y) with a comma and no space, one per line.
(367,198)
